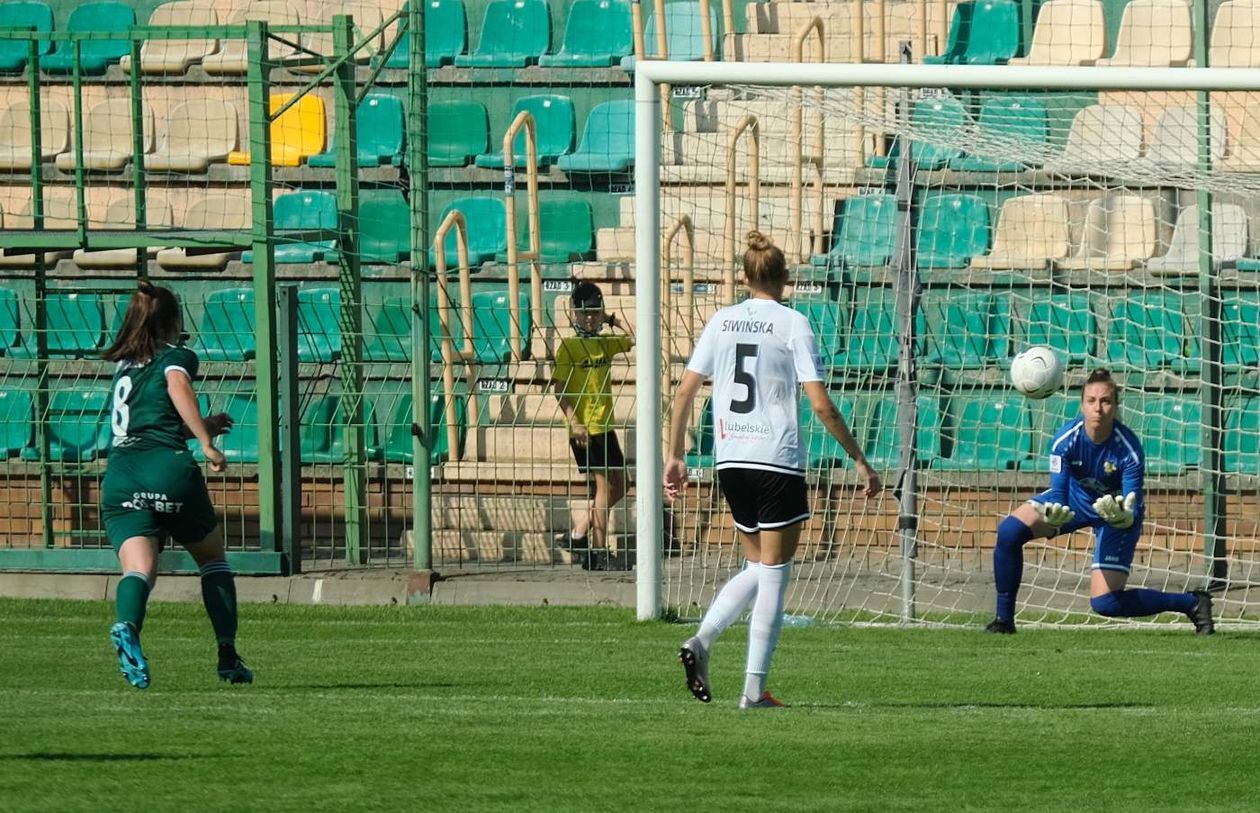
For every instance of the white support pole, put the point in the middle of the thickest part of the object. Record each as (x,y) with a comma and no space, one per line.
(649,479)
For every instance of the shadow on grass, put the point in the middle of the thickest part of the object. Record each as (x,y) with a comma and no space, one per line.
(67,756)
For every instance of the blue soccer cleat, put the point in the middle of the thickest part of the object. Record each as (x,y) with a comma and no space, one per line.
(131,660)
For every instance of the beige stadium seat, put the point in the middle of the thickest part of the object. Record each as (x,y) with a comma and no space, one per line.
(107,136)
(367,18)
(198,133)
(1155,33)
(175,56)
(60,212)
(216,211)
(1119,233)
(1234,42)
(120,215)
(1068,32)
(1032,231)
(1229,239)
(1101,133)
(1176,137)
(233,57)
(15,132)
(1244,152)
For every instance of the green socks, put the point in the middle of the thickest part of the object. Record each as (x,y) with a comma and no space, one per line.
(132,598)
(218,591)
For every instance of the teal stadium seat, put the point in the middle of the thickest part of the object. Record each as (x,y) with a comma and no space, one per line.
(1240,330)
(1148,331)
(322,432)
(387,331)
(982,32)
(445,36)
(17,432)
(871,344)
(78,425)
(607,143)
(960,331)
(826,318)
(952,229)
(864,235)
(937,114)
(1017,130)
(319,324)
(992,432)
(1048,415)
(684,33)
(1242,436)
(492,326)
(554,126)
(883,445)
(1065,322)
(486,220)
(23,16)
(398,440)
(302,211)
(241,444)
(379,123)
(566,231)
(700,455)
(514,33)
(1169,428)
(76,326)
(597,34)
(822,451)
(459,131)
(10,321)
(95,55)
(227,331)
(384,228)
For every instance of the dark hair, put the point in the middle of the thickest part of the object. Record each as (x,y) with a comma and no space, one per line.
(1102,376)
(151,320)
(587,297)
(764,264)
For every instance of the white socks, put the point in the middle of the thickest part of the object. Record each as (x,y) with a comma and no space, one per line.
(729,604)
(765,625)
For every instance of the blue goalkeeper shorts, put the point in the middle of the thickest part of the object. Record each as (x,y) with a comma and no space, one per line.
(1113,547)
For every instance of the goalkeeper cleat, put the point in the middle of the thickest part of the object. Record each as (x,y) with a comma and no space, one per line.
(131,660)
(231,668)
(1001,626)
(695,660)
(766,701)
(1201,615)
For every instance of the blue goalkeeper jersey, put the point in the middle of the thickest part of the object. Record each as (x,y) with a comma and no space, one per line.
(1081,471)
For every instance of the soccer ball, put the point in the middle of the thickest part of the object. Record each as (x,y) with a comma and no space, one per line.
(1037,372)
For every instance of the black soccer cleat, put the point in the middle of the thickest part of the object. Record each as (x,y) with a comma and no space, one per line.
(695,660)
(1001,626)
(1201,615)
(231,668)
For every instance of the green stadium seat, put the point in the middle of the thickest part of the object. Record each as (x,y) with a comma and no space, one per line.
(486,220)
(241,444)
(459,130)
(445,36)
(700,455)
(684,33)
(514,33)
(883,444)
(322,433)
(566,231)
(822,451)
(302,211)
(1017,128)
(227,331)
(607,143)
(1240,330)
(1242,436)
(960,331)
(78,425)
(827,320)
(864,235)
(387,331)
(1066,323)
(871,345)
(398,441)
(319,324)
(17,432)
(597,34)
(1169,428)
(1048,416)
(379,125)
(937,114)
(951,230)
(1148,331)
(492,326)
(76,326)
(992,432)
(384,228)
(982,32)
(554,126)
(95,55)
(23,16)
(10,321)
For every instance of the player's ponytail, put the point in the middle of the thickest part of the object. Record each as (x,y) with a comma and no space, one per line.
(764,265)
(151,320)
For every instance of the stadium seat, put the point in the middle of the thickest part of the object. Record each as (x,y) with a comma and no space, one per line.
(303,211)
(228,330)
(1169,428)
(871,344)
(198,132)
(1240,330)
(991,433)
(1048,416)
(319,325)
(445,36)
(1032,232)
(700,453)
(607,143)
(23,15)
(459,130)
(1242,436)
(884,444)
(492,326)
(1147,331)
(485,219)
(943,115)
(175,56)
(684,34)
(1119,233)
(1153,33)
(233,56)
(1100,133)
(95,55)
(1015,129)
(368,17)
(822,451)
(598,33)
(864,235)
(554,126)
(15,132)
(1233,43)
(10,321)
(227,210)
(78,429)
(1175,141)
(982,32)
(384,228)
(514,33)
(1064,322)
(107,136)
(960,331)
(379,124)
(121,215)
(17,432)
(566,231)
(826,319)
(322,432)
(296,135)
(61,213)
(398,440)
(76,326)
(387,331)
(951,230)
(1068,32)
(241,444)
(1229,240)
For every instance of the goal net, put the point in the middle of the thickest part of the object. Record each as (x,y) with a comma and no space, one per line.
(937,224)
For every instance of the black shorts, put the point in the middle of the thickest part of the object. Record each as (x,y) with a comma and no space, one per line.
(764,500)
(601,452)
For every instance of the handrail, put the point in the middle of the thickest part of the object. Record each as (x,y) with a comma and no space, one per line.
(793,244)
(750,125)
(858,37)
(728,25)
(523,121)
(454,219)
(706,30)
(683,224)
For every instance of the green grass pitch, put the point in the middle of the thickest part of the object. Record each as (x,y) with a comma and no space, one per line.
(584,709)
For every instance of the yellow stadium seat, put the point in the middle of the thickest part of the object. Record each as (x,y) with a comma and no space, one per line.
(296,135)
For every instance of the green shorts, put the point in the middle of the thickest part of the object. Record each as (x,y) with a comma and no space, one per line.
(158,493)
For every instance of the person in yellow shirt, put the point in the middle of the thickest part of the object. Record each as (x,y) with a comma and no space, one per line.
(583,385)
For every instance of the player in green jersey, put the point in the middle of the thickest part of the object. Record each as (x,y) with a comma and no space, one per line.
(153,489)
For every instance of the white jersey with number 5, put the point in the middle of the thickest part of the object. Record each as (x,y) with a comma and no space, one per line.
(758,353)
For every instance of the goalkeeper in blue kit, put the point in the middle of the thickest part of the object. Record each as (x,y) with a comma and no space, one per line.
(1096,471)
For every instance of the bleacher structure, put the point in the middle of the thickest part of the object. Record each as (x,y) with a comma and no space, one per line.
(1071,219)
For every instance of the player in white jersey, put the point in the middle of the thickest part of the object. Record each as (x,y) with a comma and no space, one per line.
(759,354)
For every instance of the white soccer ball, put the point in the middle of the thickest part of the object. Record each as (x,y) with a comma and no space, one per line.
(1037,372)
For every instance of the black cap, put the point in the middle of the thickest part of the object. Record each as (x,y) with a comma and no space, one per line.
(588,297)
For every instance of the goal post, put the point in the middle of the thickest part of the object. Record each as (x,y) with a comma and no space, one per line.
(952,583)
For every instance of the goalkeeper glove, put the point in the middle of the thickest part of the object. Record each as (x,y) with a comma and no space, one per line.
(1116,512)
(1053,513)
